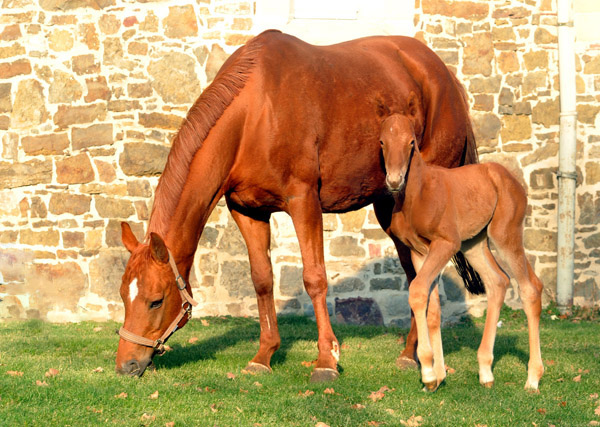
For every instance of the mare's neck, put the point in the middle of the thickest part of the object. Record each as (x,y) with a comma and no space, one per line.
(204,186)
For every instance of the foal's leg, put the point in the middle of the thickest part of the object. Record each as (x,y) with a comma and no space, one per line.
(257,234)
(477,252)
(440,252)
(383,211)
(307,216)
(510,248)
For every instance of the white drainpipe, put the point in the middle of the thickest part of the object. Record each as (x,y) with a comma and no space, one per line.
(567,174)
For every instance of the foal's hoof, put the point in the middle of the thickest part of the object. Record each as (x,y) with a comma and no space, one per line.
(406,363)
(431,386)
(257,368)
(488,384)
(322,375)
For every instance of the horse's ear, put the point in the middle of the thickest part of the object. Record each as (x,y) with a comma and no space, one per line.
(128,238)
(413,104)
(158,249)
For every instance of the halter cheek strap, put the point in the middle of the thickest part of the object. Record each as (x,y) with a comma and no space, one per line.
(186,310)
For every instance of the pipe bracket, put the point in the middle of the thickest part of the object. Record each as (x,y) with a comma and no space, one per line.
(568,175)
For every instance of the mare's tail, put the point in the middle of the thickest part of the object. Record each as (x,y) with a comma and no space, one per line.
(470,277)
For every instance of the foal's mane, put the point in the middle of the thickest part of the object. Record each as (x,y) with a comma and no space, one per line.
(201,117)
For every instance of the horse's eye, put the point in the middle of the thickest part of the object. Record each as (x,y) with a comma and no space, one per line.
(156,304)
(381,142)
(412,143)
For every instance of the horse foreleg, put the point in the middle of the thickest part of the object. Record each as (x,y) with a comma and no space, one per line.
(257,234)
(307,217)
(440,252)
(383,212)
(434,320)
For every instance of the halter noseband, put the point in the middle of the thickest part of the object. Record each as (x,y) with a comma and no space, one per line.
(186,310)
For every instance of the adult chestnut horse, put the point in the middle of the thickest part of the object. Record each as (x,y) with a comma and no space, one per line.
(285,126)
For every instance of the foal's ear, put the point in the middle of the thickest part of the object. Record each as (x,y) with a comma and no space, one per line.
(158,249)
(128,238)
(413,104)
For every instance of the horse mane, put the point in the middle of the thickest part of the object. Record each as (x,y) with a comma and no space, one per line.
(200,119)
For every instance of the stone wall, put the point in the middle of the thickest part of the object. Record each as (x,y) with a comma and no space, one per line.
(92,92)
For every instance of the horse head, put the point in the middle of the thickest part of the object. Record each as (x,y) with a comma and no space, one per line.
(398,142)
(153,303)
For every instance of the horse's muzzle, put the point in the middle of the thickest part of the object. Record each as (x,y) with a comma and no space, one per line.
(394,183)
(135,368)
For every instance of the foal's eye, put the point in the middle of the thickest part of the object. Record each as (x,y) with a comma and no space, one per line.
(412,143)
(156,304)
(381,142)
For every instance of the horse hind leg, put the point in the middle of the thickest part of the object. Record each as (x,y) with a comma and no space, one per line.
(257,235)
(510,249)
(496,282)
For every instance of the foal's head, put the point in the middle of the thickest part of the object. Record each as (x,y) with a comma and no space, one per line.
(397,142)
(151,298)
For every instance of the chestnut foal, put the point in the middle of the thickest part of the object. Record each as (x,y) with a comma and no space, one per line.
(440,211)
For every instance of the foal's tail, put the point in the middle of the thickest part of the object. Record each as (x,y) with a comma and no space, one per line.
(470,277)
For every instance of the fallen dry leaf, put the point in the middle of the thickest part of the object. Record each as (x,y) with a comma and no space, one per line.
(542,411)
(97,329)
(231,375)
(597,410)
(51,373)
(15,373)
(121,395)
(358,406)
(450,370)
(583,371)
(329,391)
(147,417)
(306,393)
(344,346)
(168,348)
(307,364)
(41,383)
(550,362)
(243,390)
(563,403)
(594,396)
(206,389)
(577,378)
(257,384)
(193,340)
(240,410)
(376,395)
(154,395)
(412,421)
(204,322)
(213,407)
(99,369)
(170,424)
(390,411)
(373,423)
(92,409)
(320,424)
(594,423)
(560,380)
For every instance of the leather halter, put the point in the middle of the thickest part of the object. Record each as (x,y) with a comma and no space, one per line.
(186,310)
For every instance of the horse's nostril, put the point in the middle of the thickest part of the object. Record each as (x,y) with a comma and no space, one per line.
(132,367)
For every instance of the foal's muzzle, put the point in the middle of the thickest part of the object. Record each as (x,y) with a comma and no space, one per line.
(394,183)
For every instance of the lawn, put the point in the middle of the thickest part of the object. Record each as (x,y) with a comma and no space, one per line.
(200,382)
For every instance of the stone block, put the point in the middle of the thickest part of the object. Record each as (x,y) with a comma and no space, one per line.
(51,144)
(161,121)
(75,204)
(174,78)
(92,136)
(546,113)
(486,128)
(478,54)
(542,179)
(68,115)
(44,238)
(397,305)
(537,239)
(142,159)
(139,188)
(15,68)
(586,113)
(73,239)
(60,40)
(353,221)
(13,175)
(64,89)
(75,170)
(181,22)
(381,283)
(106,171)
(489,85)
(232,241)
(592,242)
(97,89)
(5,98)
(65,5)
(108,207)
(508,62)
(291,283)
(139,90)
(533,81)
(470,10)
(592,66)
(345,246)
(89,36)
(29,106)
(113,232)
(106,273)
(543,36)
(484,102)
(349,284)
(589,212)
(208,239)
(85,64)
(536,59)
(592,173)
(515,128)
(10,33)
(235,278)
(511,13)
(358,311)
(215,60)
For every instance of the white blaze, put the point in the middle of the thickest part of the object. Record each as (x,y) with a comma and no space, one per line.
(133,289)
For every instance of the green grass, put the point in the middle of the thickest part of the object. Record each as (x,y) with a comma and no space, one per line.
(194,388)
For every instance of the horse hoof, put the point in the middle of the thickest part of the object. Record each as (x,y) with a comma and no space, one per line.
(322,375)
(488,384)
(257,368)
(406,363)
(431,386)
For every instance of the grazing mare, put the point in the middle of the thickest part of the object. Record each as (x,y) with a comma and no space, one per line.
(441,211)
(285,126)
